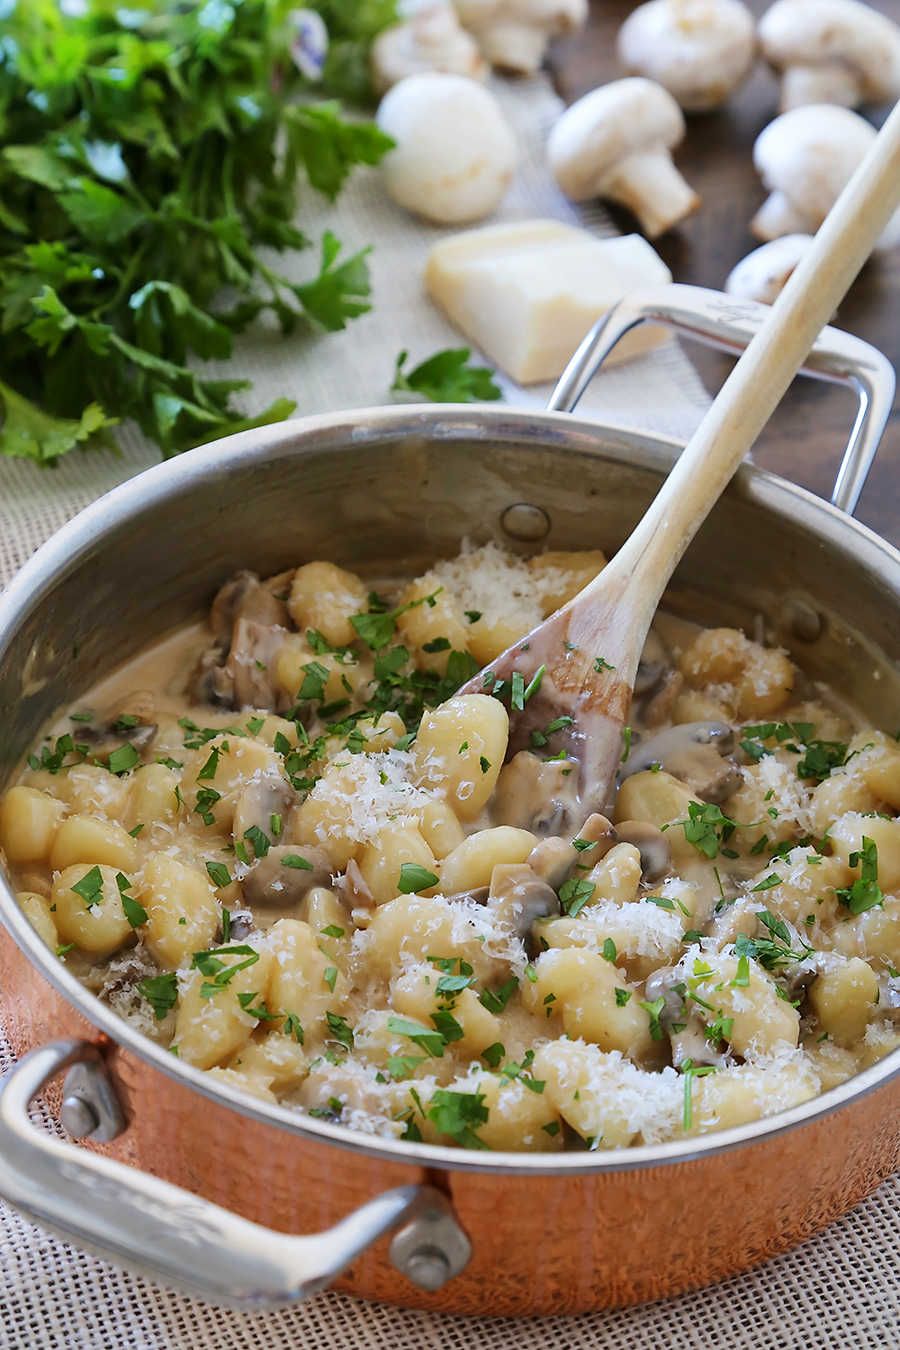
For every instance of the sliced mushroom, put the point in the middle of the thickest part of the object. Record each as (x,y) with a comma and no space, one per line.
(654,666)
(251,664)
(123,728)
(245,597)
(517,898)
(796,979)
(245,617)
(356,888)
(686,1031)
(536,794)
(264,797)
(692,1043)
(653,846)
(272,881)
(695,752)
(659,707)
(552,860)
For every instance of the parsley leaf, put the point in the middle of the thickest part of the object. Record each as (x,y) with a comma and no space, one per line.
(447,378)
(161,992)
(415,878)
(459,1114)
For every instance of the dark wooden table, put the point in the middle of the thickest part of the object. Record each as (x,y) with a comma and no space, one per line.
(807,436)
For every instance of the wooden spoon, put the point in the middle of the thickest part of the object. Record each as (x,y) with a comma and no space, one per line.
(587,653)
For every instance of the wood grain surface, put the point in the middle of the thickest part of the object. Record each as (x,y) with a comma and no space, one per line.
(807,436)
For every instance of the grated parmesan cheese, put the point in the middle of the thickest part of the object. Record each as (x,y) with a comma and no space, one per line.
(362,793)
(496,584)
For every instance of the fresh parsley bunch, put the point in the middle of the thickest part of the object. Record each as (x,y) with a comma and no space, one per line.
(148,152)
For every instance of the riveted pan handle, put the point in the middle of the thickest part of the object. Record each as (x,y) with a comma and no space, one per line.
(720,321)
(188,1243)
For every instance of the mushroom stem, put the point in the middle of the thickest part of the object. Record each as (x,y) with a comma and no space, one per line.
(649,184)
(819,84)
(515,47)
(778,216)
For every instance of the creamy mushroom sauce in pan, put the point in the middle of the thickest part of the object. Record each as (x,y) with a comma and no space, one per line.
(278,845)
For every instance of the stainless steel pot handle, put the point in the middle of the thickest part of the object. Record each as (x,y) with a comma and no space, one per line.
(189,1243)
(718,320)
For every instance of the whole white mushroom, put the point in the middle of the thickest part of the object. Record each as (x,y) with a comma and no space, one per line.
(805,158)
(831,51)
(615,142)
(455,152)
(763,274)
(513,34)
(700,50)
(431,40)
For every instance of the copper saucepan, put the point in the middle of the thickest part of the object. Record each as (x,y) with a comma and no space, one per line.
(202,1187)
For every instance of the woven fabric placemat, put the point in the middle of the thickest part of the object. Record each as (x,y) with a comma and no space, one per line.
(842,1289)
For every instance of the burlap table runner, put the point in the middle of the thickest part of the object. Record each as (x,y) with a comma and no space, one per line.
(842,1289)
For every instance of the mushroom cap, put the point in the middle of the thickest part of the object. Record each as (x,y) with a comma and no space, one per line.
(700,50)
(553,17)
(810,154)
(763,273)
(431,40)
(513,34)
(455,154)
(607,125)
(835,32)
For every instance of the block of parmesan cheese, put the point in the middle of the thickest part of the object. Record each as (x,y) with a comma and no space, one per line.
(526,294)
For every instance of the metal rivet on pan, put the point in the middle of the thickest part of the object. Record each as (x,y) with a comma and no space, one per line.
(432,1248)
(525,522)
(428,1269)
(802,620)
(79,1119)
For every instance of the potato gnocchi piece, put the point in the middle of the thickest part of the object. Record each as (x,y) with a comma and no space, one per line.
(212,1020)
(460,748)
(182,911)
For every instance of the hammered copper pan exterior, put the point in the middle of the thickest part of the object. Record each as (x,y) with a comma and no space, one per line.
(542,1244)
(545,1241)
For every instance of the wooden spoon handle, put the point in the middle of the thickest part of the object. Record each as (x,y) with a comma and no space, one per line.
(642,567)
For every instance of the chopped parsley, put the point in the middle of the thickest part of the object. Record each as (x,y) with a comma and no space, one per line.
(459,1114)
(415,878)
(161,992)
(574,894)
(295,861)
(260,841)
(865,893)
(496,1000)
(339,1029)
(90,887)
(219,873)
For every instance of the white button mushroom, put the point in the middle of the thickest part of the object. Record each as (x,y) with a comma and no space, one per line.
(615,143)
(805,158)
(700,50)
(455,154)
(763,274)
(431,40)
(831,51)
(513,34)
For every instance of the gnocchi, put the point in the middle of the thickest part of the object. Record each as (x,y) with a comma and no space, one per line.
(340,886)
